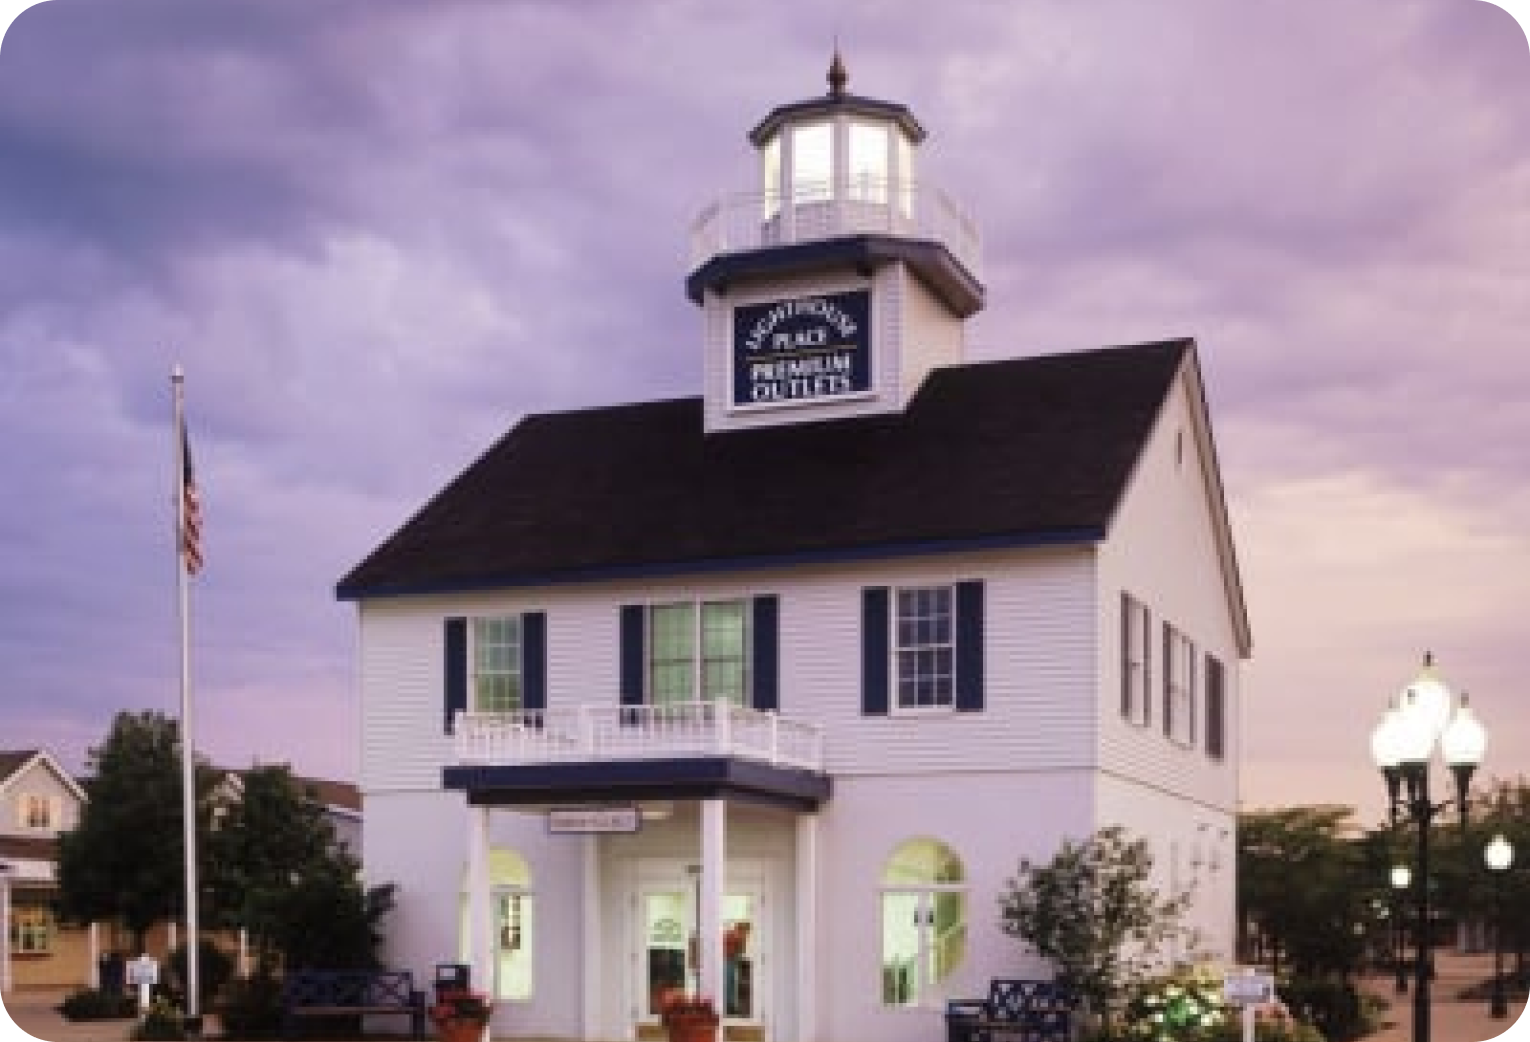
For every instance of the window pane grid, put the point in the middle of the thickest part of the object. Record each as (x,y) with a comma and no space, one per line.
(497,664)
(699,650)
(926,656)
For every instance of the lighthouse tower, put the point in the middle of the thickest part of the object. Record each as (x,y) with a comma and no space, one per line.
(835,286)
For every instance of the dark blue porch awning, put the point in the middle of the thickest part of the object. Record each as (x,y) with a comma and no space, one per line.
(608,781)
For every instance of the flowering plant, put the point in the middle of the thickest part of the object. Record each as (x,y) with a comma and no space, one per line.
(461,1007)
(675,1007)
(1185,1005)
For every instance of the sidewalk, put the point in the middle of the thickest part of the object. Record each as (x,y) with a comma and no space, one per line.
(1450,1020)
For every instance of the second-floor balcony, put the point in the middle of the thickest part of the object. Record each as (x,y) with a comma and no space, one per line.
(814,212)
(582,734)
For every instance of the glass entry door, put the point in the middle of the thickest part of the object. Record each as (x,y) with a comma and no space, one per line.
(668,924)
(669,949)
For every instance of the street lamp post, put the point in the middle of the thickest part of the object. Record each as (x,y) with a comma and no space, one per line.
(1401,877)
(1499,855)
(1402,746)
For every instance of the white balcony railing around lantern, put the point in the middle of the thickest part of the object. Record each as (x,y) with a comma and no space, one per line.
(812,212)
(592,733)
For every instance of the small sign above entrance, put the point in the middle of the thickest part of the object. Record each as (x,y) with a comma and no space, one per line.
(593,819)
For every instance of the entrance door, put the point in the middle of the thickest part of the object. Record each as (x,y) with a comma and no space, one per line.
(668,955)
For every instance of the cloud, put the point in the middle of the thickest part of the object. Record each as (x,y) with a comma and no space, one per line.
(377,232)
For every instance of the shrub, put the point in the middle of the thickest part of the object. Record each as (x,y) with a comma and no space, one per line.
(1187,1006)
(252,1006)
(1330,1004)
(162,1023)
(89,1004)
(214,968)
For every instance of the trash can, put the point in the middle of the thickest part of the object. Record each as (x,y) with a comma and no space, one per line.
(453,976)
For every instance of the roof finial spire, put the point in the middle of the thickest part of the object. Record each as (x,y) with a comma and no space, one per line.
(838,77)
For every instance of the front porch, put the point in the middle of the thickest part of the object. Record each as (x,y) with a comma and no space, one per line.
(690,775)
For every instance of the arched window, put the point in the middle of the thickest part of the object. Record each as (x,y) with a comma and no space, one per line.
(512,928)
(924,922)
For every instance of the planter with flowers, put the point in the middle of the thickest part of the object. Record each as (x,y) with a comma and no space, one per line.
(689,1018)
(460,1016)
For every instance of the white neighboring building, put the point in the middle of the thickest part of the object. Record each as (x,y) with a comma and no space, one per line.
(844,638)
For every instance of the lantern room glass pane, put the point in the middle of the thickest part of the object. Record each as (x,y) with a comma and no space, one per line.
(812,163)
(868,162)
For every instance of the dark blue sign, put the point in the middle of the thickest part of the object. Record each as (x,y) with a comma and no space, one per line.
(804,349)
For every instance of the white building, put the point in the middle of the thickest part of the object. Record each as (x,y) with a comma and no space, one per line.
(841,640)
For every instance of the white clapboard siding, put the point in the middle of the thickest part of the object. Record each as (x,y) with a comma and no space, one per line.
(1162,550)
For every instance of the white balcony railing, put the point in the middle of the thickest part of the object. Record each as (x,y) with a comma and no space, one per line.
(752,220)
(593,733)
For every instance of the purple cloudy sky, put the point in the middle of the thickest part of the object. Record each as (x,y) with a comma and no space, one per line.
(377,232)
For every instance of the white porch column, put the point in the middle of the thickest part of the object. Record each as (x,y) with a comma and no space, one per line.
(807,927)
(242,967)
(5,928)
(480,908)
(590,1025)
(93,971)
(714,862)
(172,938)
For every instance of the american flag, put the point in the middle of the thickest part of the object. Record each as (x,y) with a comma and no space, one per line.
(191,511)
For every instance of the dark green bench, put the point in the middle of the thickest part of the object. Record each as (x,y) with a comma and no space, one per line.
(351,993)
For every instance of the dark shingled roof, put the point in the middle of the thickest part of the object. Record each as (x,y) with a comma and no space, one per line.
(12,760)
(1026,451)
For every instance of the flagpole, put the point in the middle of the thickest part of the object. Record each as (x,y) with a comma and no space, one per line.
(188,778)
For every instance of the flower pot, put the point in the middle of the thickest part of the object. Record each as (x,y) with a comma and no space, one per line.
(459,1031)
(692,1028)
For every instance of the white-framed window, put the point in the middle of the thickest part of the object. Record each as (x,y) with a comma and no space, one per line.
(699,651)
(770,177)
(513,929)
(905,153)
(867,169)
(496,661)
(1136,661)
(1178,686)
(812,163)
(35,811)
(32,929)
(924,641)
(923,923)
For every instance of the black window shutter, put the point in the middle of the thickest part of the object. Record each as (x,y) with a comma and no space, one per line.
(766,655)
(454,674)
(1215,708)
(534,660)
(632,667)
(969,646)
(1126,655)
(874,650)
(1147,666)
(1168,679)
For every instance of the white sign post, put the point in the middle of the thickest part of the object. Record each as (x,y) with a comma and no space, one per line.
(143,972)
(1247,989)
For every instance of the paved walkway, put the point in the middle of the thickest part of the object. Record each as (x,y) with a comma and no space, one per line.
(1452,1021)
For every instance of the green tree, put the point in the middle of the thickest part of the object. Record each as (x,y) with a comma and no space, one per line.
(124,860)
(1317,928)
(268,832)
(1094,914)
(280,873)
